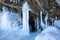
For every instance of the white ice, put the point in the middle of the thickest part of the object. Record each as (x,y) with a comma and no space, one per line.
(25,12)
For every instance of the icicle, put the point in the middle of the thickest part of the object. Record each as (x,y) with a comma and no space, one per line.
(25,11)
(56,17)
(42,24)
(46,18)
(37,24)
(41,17)
(52,22)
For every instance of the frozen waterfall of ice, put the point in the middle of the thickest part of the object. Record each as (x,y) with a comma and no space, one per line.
(9,20)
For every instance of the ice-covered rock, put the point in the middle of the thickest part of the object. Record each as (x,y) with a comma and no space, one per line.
(50,29)
(50,33)
(45,37)
(57,23)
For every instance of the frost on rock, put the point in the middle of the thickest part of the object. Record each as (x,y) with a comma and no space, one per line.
(50,33)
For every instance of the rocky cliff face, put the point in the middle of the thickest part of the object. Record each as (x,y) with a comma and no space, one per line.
(53,6)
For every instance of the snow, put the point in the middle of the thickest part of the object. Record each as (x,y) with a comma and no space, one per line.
(17,35)
(50,33)
(50,29)
(57,23)
(45,37)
